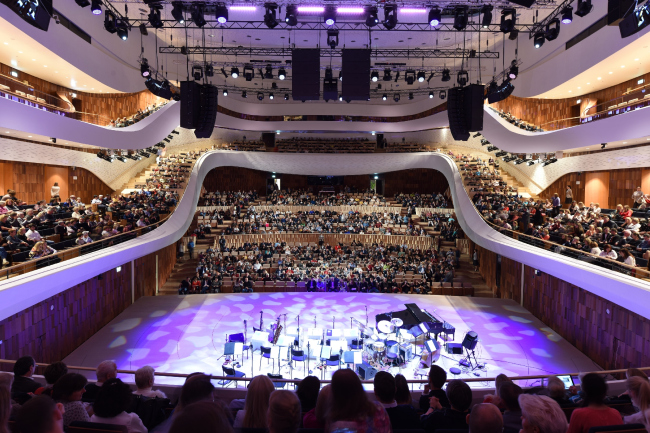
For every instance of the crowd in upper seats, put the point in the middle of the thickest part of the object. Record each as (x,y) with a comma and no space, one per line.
(412,201)
(122,122)
(305,198)
(342,405)
(612,235)
(229,198)
(518,122)
(354,267)
(322,145)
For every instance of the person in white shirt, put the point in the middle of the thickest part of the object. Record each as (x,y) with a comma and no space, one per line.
(110,406)
(106,232)
(628,258)
(32,234)
(84,239)
(608,253)
(594,248)
(144,379)
(95,200)
(141,222)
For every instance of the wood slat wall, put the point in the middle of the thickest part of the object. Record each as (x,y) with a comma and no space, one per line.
(597,187)
(33,182)
(541,111)
(52,329)
(487,266)
(618,187)
(510,287)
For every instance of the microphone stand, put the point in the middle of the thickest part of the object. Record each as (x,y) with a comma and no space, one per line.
(308,354)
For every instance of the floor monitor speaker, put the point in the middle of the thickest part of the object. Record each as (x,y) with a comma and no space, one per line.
(366,371)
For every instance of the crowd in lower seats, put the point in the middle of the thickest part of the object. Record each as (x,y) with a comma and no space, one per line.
(67,399)
(352,268)
(603,236)
(300,197)
(122,122)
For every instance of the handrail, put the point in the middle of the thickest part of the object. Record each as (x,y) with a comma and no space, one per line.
(72,252)
(248,379)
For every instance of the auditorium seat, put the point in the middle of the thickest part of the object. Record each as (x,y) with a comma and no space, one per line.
(95,427)
(624,428)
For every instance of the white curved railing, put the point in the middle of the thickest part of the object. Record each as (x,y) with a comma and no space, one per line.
(26,290)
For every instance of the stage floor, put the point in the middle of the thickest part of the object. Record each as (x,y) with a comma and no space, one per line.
(187,334)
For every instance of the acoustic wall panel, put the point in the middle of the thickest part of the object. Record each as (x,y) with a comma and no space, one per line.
(356,75)
(305,69)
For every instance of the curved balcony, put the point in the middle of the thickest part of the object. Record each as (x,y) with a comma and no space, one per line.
(26,290)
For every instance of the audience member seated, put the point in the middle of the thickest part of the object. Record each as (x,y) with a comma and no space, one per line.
(40,415)
(203,416)
(284,412)
(254,414)
(437,417)
(541,414)
(122,122)
(144,379)
(110,405)
(485,418)
(638,388)
(509,394)
(316,418)
(594,412)
(105,370)
(350,407)
(52,373)
(68,391)
(323,145)
(437,379)
(401,416)
(23,383)
(307,392)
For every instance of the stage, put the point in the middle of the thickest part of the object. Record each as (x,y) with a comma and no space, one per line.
(187,334)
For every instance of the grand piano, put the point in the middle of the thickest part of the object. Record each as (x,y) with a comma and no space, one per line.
(416,321)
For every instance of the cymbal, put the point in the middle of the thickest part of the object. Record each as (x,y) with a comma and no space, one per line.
(397,322)
(385,327)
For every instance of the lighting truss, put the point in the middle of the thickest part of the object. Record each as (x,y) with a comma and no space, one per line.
(336,52)
(541,26)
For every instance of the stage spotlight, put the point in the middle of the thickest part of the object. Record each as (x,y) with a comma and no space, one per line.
(270,19)
(446,75)
(384,97)
(121,158)
(268,72)
(442,94)
(83,3)
(221,13)
(341,98)
(144,68)
(374,76)
(421,77)
(225,92)
(584,7)
(514,71)
(508,20)
(387,74)
(197,72)
(286,96)
(332,38)
(244,94)
(603,145)
(282,74)
(109,22)
(390,16)
(409,77)
(290,17)
(462,78)
(567,15)
(154,18)
(53,140)
(249,73)
(209,70)
(486,10)
(435,17)
(460,18)
(396,97)
(552,29)
(410,96)
(96,7)
(177,12)
(539,39)
(260,96)
(431,95)
(329,16)
(234,72)
(531,162)
(122,30)
(271,96)
(197,14)
(372,19)
(340,75)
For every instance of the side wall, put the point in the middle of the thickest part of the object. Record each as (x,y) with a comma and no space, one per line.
(52,329)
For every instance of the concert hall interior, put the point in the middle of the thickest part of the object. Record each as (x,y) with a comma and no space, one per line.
(345,216)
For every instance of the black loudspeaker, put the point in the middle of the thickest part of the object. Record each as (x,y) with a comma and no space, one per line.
(465,110)
(470,341)
(366,372)
(355,69)
(190,104)
(380,141)
(208,112)
(454,348)
(616,10)
(268,138)
(330,86)
(305,70)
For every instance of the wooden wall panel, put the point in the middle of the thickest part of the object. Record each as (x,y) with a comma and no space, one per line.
(597,187)
(610,335)
(559,187)
(33,182)
(488,267)
(235,179)
(145,267)
(645,181)
(421,180)
(510,279)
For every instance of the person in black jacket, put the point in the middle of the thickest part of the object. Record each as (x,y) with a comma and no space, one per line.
(401,416)
(23,384)
(455,417)
(437,379)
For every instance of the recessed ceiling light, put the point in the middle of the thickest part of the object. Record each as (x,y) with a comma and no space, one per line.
(625,142)
(579,87)
(569,91)
(600,78)
(45,66)
(29,136)
(622,66)
(20,52)
(636,60)
(33,60)
(610,72)
(588,84)
(6,43)
(7,132)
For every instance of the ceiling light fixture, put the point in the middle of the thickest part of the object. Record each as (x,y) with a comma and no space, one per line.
(421,76)
(539,39)
(144,68)
(225,92)
(234,72)
(431,95)
(260,96)
(96,7)
(290,17)
(435,17)
(221,13)
(270,18)
(282,74)
(486,10)
(197,14)
(155,19)
(552,29)
(584,7)
(460,18)
(329,16)
(372,19)
(177,12)
(122,30)
(508,20)
(384,97)
(390,16)
(567,15)
(374,76)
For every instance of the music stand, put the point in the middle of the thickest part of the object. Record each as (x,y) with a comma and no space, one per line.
(228,350)
(354,357)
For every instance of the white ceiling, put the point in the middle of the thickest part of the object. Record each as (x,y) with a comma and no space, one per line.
(12,133)
(25,54)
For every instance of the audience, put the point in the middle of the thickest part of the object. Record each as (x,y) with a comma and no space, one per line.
(68,391)
(254,414)
(638,388)
(541,414)
(40,415)
(110,405)
(350,407)
(197,388)
(437,379)
(316,418)
(5,407)
(52,373)
(307,392)
(594,412)
(105,370)
(202,416)
(485,418)
(23,383)
(509,394)
(401,416)
(284,412)
(144,379)
(437,417)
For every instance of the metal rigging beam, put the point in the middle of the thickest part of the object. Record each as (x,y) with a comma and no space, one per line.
(415,53)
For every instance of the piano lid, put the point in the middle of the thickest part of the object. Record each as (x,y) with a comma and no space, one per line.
(412,316)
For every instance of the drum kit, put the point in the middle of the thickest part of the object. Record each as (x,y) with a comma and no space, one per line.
(382,346)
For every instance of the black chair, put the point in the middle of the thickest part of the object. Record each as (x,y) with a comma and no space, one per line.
(298,356)
(230,372)
(266,353)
